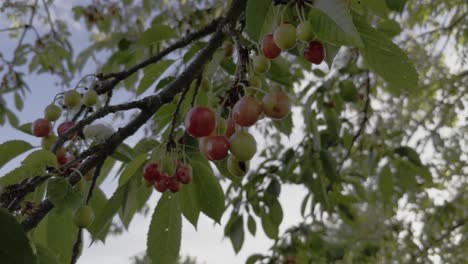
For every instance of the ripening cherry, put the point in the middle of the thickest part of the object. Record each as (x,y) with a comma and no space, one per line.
(71,99)
(228,48)
(269,48)
(315,52)
(61,156)
(90,98)
(230,128)
(184,173)
(200,121)
(236,167)
(84,216)
(216,148)
(163,183)
(173,185)
(243,146)
(261,64)
(305,32)
(276,105)
(247,111)
(62,128)
(151,172)
(52,112)
(255,81)
(41,127)
(285,36)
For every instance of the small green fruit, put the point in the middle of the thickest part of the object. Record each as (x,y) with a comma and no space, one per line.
(243,146)
(261,64)
(305,32)
(236,167)
(52,112)
(255,81)
(84,216)
(285,36)
(90,98)
(71,99)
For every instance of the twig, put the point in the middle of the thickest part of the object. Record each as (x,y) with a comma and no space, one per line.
(154,103)
(21,39)
(197,87)
(96,174)
(77,246)
(15,193)
(361,126)
(170,139)
(15,28)
(49,17)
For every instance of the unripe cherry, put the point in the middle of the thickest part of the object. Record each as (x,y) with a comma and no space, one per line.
(285,36)
(71,99)
(269,48)
(276,105)
(247,111)
(52,112)
(261,64)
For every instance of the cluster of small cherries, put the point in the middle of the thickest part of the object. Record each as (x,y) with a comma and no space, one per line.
(162,182)
(284,38)
(42,127)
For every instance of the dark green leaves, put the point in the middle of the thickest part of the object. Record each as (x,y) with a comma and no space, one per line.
(14,245)
(155,34)
(164,234)
(256,17)
(63,195)
(10,149)
(189,204)
(151,74)
(235,231)
(386,183)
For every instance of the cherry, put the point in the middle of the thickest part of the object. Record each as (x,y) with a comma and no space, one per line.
(151,172)
(62,128)
(216,147)
(52,112)
(228,48)
(200,121)
(243,146)
(48,141)
(315,52)
(230,128)
(205,85)
(163,183)
(269,48)
(276,105)
(236,167)
(255,81)
(71,99)
(61,155)
(247,111)
(90,98)
(41,127)
(84,216)
(261,64)
(305,32)
(173,185)
(285,36)
(184,173)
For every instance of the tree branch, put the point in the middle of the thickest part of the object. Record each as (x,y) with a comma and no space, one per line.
(154,103)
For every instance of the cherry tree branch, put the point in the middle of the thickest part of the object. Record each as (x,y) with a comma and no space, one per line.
(154,102)
(21,39)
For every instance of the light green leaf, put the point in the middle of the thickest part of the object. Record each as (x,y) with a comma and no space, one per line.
(396,5)
(156,33)
(252,225)
(386,183)
(151,75)
(386,58)
(236,233)
(61,234)
(10,149)
(164,234)
(14,245)
(133,167)
(45,255)
(338,11)
(189,204)
(63,195)
(257,18)
(25,128)
(34,164)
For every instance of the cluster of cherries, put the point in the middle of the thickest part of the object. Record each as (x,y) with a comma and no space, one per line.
(162,181)
(217,137)
(42,127)
(284,38)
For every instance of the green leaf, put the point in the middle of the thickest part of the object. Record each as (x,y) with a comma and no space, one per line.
(329,165)
(284,125)
(337,11)
(18,102)
(61,234)
(14,245)
(193,50)
(10,149)
(34,164)
(63,195)
(151,75)
(156,33)
(236,233)
(252,225)
(396,5)
(45,255)
(209,193)
(189,204)
(276,212)
(409,153)
(164,233)
(280,71)
(132,168)
(257,17)
(124,153)
(330,53)
(269,227)
(254,258)
(378,7)
(386,183)
(25,128)
(386,58)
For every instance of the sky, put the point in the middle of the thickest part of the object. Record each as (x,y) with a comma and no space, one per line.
(207,243)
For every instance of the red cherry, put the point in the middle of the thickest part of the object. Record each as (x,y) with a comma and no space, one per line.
(184,173)
(173,185)
(41,127)
(269,48)
(200,121)
(315,53)
(62,128)
(247,111)
(216,147)
(151,172)
(163,183)
(61,156)
(230,128)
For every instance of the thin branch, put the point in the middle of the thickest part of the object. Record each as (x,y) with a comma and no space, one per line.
(154,103)
(170,139)
(49,17)
(77,246)
(21,39)
(15,193)
(15,28)
(362,125)
(96,174)
(444,28)
(197,87)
